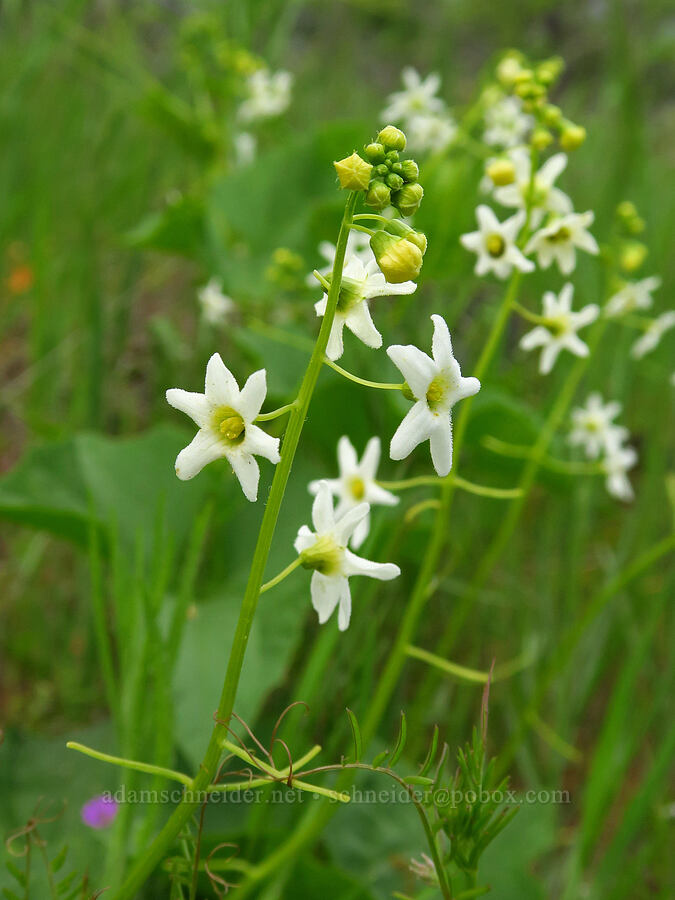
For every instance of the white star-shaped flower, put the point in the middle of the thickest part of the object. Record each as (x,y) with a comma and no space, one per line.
(360,283)
(558,239)
(436,385)
(325,551)
(652,336)
(417,98)
(546,197)
(616,464)
(358,245)
(430,133)
(356,484)
(269,94)
(225,417)
(559,330)
(593,428)
(215,305)
(634,295)
(495,244)
(506,124)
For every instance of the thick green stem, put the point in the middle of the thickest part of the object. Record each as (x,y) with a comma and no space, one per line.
(194,797)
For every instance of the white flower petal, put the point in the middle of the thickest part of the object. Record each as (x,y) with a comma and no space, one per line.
(347,459)
(359,322)
(346,525)
(356,565)
(361,532)
(335,347)
(345,605)
(325,595)
(305,539)
(203,449)
(415,428)
(535,338)
(247,470)
(220,387)
(261,443)
(441,343)
(417,368)
(253,395)
(194,405)
(371,458)
(441,448)
(323,515)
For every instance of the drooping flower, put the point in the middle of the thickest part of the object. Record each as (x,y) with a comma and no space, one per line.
(495,244)
(558,330)
(356,484)
(652,336)
(616,463)
(418,97)
(545,197)
(325,551)
(225,416)
(506,124)
(430,133)
(436,384)
(268,94)
(215,305)
(593,427)
(558,239)
(360,283)
(634,295)
(99,812)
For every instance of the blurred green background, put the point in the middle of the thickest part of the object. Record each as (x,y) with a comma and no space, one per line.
(118,201)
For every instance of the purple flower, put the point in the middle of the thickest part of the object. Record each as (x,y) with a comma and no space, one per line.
(99,812)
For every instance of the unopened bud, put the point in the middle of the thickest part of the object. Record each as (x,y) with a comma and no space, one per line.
(633,254)
(541,138)
(391,157)
(375,152)
(501,172)
(353,172)
(407,200)
(572,136)
(551,115)
(398,258)
(626,210)
(402,229)
(550,70)
(410,170)
(378,196)
(395,182)
(392,138)
(509,68)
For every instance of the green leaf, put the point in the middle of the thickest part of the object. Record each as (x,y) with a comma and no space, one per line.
(61,487)
(431,754)
(400,741)
(59,859)
(356,733)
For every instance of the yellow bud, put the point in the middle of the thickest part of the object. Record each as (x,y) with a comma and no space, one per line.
(551,115)
(407,200)
(501,172)
(399,228)
(541,138)
(626,210)
(572,136)
(392,138)
(509,69)
(398,258)
(633,254)
(353,172)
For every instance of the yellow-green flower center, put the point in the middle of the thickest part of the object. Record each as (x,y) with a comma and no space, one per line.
(357,487)
(495,244)
(436,391)
(558,325)
(562,235)
(324,556)
(229,424)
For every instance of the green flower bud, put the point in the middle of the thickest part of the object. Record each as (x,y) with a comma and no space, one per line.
(509,68)
(407,200)
(572,136)
(382,170)
(551,115)
(398,258)
(550,70)
(633,254)
(410,170)
(378,196)
(353,172)
(391,158)
(375,152)
(397,168)
(636,225)
(402,229)
(541,138)
(395,182)
(501,172)
(626,210)
(392,138)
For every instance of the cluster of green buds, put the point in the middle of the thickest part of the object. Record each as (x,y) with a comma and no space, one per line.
(387,179)
(632,253)
(532,82)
